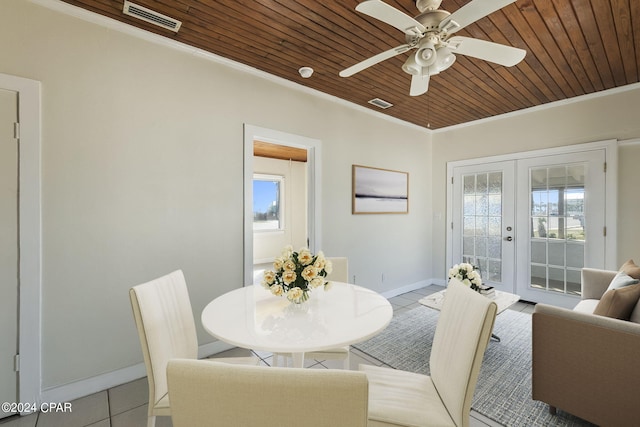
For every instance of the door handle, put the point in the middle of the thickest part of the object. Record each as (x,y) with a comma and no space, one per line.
(508,238)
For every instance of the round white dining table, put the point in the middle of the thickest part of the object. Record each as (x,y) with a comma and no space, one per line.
(252,317)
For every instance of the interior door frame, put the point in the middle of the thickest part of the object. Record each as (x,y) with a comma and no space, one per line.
(314,168)
(611,189)
(30,238)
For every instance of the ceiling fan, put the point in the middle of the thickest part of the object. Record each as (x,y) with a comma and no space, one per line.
(430,33)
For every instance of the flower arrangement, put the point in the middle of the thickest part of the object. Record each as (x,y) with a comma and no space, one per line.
(295,274)
(467,274)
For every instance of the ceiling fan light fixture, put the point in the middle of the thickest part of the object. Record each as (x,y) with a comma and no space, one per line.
(426,54)
(410,66)
(445,58)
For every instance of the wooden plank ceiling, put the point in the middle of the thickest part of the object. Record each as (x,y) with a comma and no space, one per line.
(574,47)
(280,152)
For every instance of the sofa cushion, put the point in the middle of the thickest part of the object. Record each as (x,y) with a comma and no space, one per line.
(631,269)
(621,280)
(586,306)
(618,303)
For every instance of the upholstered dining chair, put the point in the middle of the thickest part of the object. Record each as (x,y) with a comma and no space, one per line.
(164,319)
(217,394)
(339,273)
(399,398)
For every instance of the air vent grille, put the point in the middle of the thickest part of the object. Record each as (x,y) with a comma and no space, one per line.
(151,16)
(380,103)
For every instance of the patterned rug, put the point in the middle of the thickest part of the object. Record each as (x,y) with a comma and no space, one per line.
(503,392)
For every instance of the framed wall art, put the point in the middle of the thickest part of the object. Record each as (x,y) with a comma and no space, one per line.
(379,191)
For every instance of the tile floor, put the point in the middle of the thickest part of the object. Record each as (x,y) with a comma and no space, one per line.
(126,405)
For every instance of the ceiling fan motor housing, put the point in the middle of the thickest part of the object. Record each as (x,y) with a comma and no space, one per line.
(423,5)
(431,22)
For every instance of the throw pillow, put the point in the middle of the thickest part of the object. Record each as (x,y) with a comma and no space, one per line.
(618,303)
(631,269)
(621,280)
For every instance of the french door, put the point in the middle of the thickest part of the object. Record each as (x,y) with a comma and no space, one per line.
(530,225)
(484,221)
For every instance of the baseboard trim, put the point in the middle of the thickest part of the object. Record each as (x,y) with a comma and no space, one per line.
(412,287)
(88,386)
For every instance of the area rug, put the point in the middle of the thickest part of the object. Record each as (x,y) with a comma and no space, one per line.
(503,392)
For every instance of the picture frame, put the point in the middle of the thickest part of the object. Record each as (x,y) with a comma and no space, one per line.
(379,191)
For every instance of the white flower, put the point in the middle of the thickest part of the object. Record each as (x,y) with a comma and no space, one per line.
(316,282)
(305,257)
(328,268)
(294,294)
(289,265)
(277,264)
(289,276)
(466,282)
(287,252)
(309,273)
(269,277)
(295,274)
(320,261)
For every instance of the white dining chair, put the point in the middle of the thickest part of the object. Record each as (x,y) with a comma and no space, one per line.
(400,398)
(339,273)
(217,394)
(164,319)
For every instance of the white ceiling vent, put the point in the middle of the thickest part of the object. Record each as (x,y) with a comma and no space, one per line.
(380,103)
(151,16)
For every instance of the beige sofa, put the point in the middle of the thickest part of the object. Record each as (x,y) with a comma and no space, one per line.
(585,364)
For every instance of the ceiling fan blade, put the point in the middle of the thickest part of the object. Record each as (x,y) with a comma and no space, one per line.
(374,60)
(392,16)
(419,84)
(488,51)
(470,13)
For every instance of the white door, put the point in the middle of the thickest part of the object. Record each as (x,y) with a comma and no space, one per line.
(561,224)
(531,224)
(483,221)
(8,246)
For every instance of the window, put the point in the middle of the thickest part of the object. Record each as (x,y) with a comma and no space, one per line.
(268,191)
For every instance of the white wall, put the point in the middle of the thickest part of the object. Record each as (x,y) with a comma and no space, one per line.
(613,115)
(142,157)
(268,244)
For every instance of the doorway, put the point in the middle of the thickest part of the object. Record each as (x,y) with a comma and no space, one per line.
(9,243)
(531,222)
(311,168)
(29,233)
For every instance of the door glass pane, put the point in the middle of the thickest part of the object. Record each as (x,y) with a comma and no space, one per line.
(482,223)
(557,227)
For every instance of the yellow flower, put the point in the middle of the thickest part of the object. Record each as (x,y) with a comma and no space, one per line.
(278,263)
(305,257)
(269,277)
(289,276)
(277,290)
(316,282)
(294,294)
(309,273)
(320,261)
(289,265)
